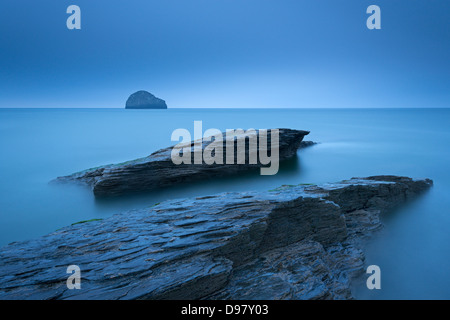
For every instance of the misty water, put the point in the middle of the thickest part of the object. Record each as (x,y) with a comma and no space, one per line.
(413,250)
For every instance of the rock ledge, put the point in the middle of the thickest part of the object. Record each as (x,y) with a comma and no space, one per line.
(158,171)
(295,242)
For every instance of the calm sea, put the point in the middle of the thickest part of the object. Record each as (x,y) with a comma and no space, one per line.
(413,250)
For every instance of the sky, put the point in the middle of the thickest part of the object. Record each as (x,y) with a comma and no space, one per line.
(225,53)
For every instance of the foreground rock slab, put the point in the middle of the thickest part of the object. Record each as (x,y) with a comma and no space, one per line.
(158,171)
(294,242)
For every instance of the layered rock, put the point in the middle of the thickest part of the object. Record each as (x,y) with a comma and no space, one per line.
(144,100)
(158,170)
(295,242)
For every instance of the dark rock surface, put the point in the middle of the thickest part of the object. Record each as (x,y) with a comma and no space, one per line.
(295,242)
(158,171)
(144,100)
(306,144)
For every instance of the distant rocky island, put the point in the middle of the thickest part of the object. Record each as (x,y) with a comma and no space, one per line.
(144,100)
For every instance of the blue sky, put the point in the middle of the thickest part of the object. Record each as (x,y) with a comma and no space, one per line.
(225,53)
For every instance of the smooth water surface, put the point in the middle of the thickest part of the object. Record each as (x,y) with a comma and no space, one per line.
(413,250)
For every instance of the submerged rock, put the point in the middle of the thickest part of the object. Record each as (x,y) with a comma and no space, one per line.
(158,171)
(295,242)
(144,100)
(306,144)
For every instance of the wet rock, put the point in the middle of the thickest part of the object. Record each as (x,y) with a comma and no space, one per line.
(158,170)
(297,242)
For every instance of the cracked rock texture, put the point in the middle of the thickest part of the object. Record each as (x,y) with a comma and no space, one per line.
(295,242)
(158,170)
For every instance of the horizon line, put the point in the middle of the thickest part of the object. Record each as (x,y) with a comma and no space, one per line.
(123,108)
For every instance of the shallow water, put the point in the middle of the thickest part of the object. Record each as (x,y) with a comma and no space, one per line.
(38,145)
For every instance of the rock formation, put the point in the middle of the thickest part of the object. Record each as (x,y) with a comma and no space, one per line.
(144,100)
(294,242)
(158,171)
